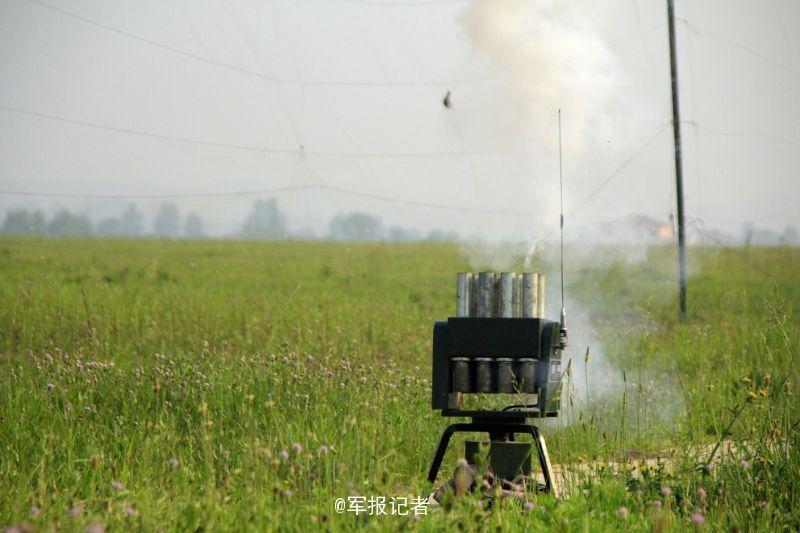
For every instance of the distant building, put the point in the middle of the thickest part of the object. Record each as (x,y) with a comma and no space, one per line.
(638,228)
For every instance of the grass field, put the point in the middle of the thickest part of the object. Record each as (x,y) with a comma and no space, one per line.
(246,386)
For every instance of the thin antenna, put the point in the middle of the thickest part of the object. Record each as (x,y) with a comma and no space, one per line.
(561,193)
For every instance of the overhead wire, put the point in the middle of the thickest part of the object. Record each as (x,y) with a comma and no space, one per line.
(722,38)
(301,149)
(279,88)
(785,33)
(743,133)
(634,36)
(234,146)
(608,179)
(274,190)
(255,73)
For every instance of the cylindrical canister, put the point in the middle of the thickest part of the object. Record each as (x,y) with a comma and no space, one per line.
(505,375)
(461,374)
(516,300)
(540,295)
(463,280)
(473,294)
(526,375)
(529,294)
(484,381)
(506,294)
(486,294)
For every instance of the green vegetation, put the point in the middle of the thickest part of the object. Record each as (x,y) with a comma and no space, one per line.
(224,385)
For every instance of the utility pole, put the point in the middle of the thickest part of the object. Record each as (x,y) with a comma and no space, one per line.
(676,129)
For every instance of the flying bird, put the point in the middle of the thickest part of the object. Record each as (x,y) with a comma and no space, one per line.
(446,100)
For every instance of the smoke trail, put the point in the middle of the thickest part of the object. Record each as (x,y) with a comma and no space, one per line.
(554,61)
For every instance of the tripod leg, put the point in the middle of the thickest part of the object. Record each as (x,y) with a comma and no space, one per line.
(544,459)
(440,451)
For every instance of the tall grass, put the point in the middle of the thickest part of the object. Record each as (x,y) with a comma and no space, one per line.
(247,386)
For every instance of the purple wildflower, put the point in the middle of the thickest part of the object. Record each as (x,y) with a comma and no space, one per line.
(698,519)
(226,453)
(665,491)
(34,511)
(322,450)
(329,373)
(528,506)
(701,493)
(297,447)
(708,468)
(287,493)
(744,464)
(129,511)
(174,463)
(622,512)
(284,454)
(50,386)
(116,484)
(657,504)
(87,409)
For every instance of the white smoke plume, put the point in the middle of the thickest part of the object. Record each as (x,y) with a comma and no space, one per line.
(555,60)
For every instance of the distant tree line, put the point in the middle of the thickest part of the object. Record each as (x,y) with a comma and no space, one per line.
(23,223)
(265,221)
(765,237)
(129,224)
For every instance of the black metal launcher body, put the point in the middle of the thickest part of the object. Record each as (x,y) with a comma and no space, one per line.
(479,351)
(498,344)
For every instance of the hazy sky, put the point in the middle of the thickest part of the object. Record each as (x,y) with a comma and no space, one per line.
(326,98)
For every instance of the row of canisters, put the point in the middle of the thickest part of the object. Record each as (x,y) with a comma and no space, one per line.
(485,374)
(504,295)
